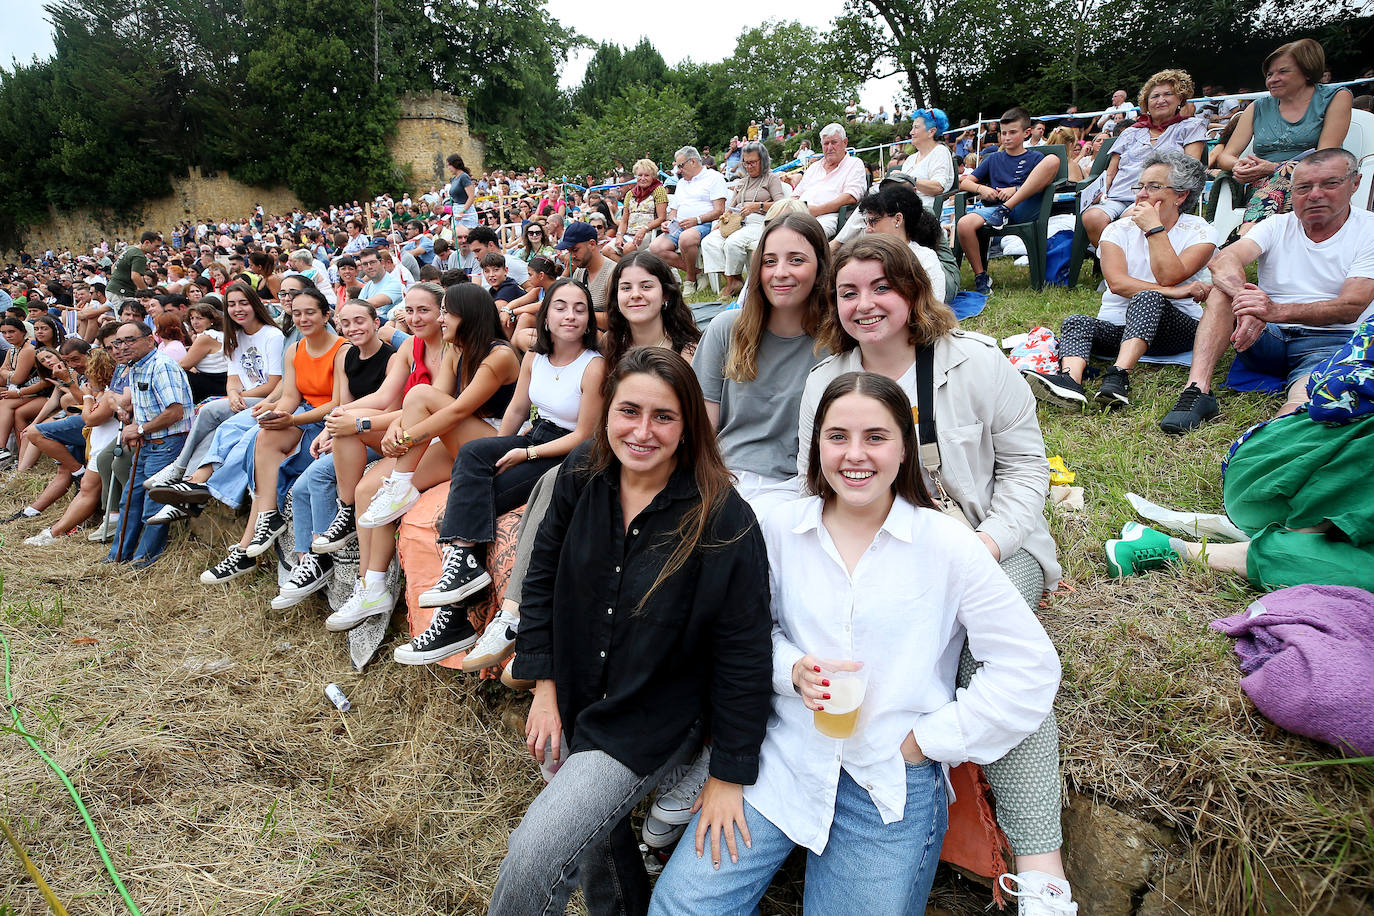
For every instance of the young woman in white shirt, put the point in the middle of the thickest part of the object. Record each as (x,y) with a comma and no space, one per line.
(871,808)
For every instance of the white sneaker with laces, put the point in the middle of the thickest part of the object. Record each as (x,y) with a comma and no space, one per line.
(364,604)
(1039,894)
(41,539)
(674,806)
(495,645)
(689,288)
(165,477)
(393,500)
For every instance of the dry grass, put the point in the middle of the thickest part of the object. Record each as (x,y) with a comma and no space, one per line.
(244,792)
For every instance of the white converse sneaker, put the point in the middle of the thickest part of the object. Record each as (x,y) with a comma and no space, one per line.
(674,806)
(393,500)
(362,605)
(1039,894)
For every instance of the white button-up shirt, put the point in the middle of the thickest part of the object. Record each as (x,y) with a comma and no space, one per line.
(924,584)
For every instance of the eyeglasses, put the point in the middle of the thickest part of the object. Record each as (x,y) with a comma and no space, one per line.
(873,219)
(1153,187)
(288,293)
(1330,184)
(117,342)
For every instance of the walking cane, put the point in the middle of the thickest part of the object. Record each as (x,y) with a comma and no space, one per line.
(128,495)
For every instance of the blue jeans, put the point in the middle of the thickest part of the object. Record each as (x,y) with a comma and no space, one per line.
(577,831)
(1291,353)
(143,542)
(867,866)
(66,431)
(314,500)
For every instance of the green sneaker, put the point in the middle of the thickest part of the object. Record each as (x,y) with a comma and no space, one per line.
(1140,548)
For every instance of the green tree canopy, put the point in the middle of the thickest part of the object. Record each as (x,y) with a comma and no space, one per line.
(642,121)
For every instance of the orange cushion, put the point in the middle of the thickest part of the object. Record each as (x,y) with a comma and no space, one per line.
(974,841)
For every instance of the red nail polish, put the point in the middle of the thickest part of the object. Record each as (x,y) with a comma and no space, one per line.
(817,669)
(826,697)
(825,682)
(820,708)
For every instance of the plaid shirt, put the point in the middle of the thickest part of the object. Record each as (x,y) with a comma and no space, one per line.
(158,382)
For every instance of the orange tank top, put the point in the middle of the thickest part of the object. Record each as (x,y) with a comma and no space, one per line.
(315,374)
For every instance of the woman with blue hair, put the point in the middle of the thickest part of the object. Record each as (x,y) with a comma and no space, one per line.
(931,166)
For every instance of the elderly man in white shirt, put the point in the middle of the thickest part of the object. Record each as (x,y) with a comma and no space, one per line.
(697,203)
(834,181)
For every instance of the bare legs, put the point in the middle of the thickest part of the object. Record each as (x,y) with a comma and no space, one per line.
(271,450)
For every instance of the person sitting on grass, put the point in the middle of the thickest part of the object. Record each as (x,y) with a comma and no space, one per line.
(1153,260)
(1009,181)
(287,427)
(97,414)
(1316,284)
(1297,485)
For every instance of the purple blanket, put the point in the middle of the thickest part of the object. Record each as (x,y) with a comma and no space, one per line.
(1308,661)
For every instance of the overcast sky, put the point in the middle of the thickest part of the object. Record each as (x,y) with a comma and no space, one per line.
(27,32)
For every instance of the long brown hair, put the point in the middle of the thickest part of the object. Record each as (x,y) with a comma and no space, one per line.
(698,453)
(231,327)
(742,359)
(677,319)
(929,318)
(908,483)
(479,328)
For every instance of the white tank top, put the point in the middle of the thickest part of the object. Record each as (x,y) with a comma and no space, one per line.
(215,360)
(557,390)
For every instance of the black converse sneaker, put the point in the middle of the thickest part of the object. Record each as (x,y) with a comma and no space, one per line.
(449,633)
(236,564)
(462,576)
(311,574)
(265,530)
(341,532)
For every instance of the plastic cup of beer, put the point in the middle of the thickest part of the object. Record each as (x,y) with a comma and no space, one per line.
(839,717)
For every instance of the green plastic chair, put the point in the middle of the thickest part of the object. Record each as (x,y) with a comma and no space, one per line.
(1080,236)
(1033,233)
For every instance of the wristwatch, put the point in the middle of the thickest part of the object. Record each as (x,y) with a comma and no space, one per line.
(140,429)
(531,454)
(1155,231)
(362,424)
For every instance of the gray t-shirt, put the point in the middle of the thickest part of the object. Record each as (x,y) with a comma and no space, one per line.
(758,419)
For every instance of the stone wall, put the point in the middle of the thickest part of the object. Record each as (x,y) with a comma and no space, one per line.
(196,195)
(431,127)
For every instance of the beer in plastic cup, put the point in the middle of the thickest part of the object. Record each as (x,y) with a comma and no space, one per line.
(840,716)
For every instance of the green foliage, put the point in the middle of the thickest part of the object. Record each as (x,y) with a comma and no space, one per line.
(611,70)
(720,114)
(643,121)
(788,70)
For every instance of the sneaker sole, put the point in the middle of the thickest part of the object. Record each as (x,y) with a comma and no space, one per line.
(1116,568)
(327,547)
(255,549)
(391,516)
(432,598)
(1112,401)
(1045,390)
(515,683)
(296,597)
(342,626)
(229,578)
(167,521)
(405,655)
(474,663)
(660,840)
(671,818)
(170,497)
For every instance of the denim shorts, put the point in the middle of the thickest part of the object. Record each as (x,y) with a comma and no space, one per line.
(676,232)
(1024,212)
(1291,353)
(66,431)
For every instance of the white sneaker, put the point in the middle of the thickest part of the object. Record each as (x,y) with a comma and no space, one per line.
(1039,894)
(106,530)
(496,644)
(165,477)
(41,539)
(658,835)
(674,806)
(364,604)
(393,500)
(689,288)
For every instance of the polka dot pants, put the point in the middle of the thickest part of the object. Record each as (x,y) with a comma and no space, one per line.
(1149,317)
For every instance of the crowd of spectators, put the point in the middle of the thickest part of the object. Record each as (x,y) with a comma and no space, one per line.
(529,340)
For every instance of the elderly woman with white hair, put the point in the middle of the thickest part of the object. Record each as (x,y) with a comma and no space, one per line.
(1154,260)
(755,193)
(303,263)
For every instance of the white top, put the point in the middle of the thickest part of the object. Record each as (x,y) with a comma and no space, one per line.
(215,360)
(1293,268)
(1125,234)
(908,629)
(557,390)
(937,165)
(695,196)
(258,356)
(930,263)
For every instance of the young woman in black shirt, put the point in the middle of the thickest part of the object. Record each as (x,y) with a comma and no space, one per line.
(644,624)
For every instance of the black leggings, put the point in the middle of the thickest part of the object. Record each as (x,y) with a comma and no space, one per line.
(1149,316)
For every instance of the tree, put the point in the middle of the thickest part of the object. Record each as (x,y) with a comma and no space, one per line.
(788,70)
(642,121)
(709,89)
(611,70)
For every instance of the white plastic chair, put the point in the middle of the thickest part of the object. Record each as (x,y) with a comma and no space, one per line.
(1359,141)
